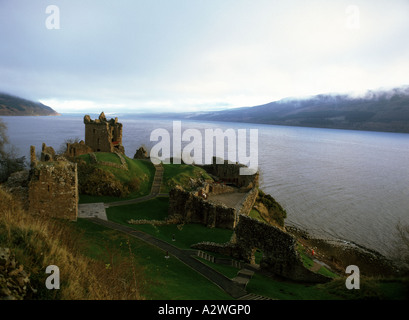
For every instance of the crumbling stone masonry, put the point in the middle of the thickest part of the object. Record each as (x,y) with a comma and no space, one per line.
(47,153)
(230,173)
(198,207)
(77,148)
(103,135)
(53,189)
(194,206)
(280,255)
(195,209)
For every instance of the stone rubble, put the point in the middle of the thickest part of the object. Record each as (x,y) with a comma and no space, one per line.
(14,280)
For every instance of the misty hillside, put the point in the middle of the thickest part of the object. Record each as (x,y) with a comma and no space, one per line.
(375,111)
(15,106)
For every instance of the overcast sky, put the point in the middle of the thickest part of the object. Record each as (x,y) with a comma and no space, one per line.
(181,55)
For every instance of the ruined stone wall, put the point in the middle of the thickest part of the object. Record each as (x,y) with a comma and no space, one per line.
(230,173)
(53,189)
(219,188)
(247,204)
(47,153)
(195,209)
(77,149)
(227,249)
(280,256)
(279,250)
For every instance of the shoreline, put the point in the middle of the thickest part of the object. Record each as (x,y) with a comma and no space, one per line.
(338,254)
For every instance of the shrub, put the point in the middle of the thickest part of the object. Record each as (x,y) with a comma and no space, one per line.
(133,185)
(95,181)
(275,210)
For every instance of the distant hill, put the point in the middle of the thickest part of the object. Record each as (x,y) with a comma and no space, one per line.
(375,111)
(15,106)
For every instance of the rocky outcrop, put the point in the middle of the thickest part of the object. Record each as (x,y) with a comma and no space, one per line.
(141,153)
(14,280)
(339,254)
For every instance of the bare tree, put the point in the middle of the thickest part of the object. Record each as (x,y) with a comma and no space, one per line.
(3,138)
(63,147)
(9,161)
(402,246)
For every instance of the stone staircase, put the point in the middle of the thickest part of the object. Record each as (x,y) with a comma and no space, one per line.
(243,277)
(252,296)
(157,180)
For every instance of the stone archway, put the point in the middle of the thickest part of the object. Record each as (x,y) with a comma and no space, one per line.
(257,256)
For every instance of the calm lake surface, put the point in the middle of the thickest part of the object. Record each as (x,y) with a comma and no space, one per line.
(352,185)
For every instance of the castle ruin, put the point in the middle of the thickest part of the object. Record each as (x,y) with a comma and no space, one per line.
(103,135)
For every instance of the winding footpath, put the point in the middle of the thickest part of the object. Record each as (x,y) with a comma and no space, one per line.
(155,190)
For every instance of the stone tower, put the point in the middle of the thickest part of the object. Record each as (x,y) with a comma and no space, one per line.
(103,135)
(52,186)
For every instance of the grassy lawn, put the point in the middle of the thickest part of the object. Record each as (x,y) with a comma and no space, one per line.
(226,270)
(370,289)
(256,215)
(186,235)
(163,279)
(309,263)
(180,174)
(268,287)
(157,209)
(107,157)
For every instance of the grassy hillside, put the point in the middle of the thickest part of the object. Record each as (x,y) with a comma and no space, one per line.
(140,173)
(39,242)
(181,174)
(376,111)
(137,178)
(15,106)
